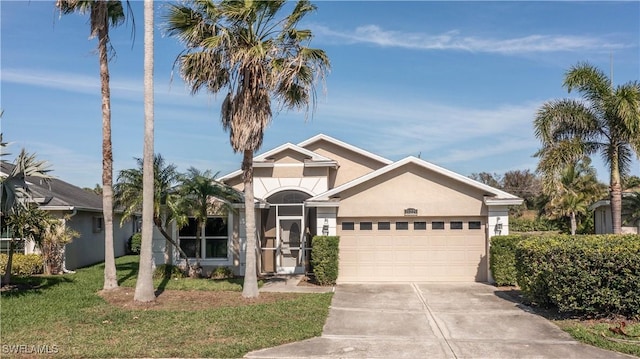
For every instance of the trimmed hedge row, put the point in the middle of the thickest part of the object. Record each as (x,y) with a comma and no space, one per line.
(595,275)
(22,264)
(502,258)
(324,259)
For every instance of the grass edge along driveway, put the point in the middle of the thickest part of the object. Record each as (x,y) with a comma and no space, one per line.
(64,315)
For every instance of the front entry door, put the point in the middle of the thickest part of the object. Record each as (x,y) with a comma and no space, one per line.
(290,245)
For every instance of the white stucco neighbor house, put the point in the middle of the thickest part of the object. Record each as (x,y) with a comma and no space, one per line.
(602,219)
(81,211)
(408,220)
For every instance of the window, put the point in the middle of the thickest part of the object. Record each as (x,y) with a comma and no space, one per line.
(455,225)
(402,225)
(475,225)
(214,238)
(98,224)
(437,225)
(366,226)
(347,226)
(419,226)
(384,226)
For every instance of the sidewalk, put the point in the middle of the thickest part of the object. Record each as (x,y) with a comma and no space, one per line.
(289,283)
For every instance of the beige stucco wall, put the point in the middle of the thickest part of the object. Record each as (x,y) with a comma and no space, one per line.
(352,164)
(430,193)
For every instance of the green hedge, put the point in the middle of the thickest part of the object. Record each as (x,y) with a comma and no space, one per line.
(324,258)
(595,275)
(23,264)
(502,258)
(135,243)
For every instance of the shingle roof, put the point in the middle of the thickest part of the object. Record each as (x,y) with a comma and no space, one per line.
(58,194)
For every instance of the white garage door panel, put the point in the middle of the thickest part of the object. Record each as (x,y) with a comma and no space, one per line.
(449,255)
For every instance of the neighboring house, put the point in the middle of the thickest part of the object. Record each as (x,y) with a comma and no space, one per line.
(602,218)
(81,210)
(408,220)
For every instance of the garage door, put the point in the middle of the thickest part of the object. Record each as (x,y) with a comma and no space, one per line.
(420,249)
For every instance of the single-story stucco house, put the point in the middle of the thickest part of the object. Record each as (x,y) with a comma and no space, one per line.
(80,210)
(408,220)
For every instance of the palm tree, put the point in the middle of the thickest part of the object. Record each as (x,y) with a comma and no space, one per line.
(128,195)
(606,121)
(15,198)
(103,15)
(201,196)
(144,285)
(257,57)
(29,223)
(571,191)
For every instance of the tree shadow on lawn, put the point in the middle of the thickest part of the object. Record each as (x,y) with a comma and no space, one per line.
(22,286)
(131,267)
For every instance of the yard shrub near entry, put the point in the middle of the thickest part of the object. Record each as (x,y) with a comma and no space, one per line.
(135,243)
(596,275)
(324,259)
(23,264)
(533,266)
(502,258)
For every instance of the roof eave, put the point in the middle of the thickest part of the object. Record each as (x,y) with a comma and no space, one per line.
(492,201)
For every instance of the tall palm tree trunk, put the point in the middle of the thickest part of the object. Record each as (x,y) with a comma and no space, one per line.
(250,288)
(616,194)
(144,285)
(574,224)
(110,279)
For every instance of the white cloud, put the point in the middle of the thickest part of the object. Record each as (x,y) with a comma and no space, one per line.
(455,40)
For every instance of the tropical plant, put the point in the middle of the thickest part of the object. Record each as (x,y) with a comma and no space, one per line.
(128,195)
(606,121)
(29,223)
(630,182)
(55,236)
(571,190)
(103,14)
(201,195)
(631,209)
(144,285)
(15,196)
(257,57)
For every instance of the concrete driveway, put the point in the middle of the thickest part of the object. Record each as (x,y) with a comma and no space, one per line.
(431,320)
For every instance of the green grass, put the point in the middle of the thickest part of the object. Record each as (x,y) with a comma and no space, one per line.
(66,312)
(599,335)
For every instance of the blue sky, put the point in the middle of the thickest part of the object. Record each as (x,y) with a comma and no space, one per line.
(457,83)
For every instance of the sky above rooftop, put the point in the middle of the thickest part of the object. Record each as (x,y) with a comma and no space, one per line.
(456,83)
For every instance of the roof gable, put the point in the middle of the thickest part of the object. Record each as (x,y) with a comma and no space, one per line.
(295,152)
(322,137)
(496,195)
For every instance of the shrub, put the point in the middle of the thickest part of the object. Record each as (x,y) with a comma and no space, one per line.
(533,266)
(22,264)
(592,275)
(168,271)
(135,243)
(221,273)
(324,259)
(522,224)
(502,258)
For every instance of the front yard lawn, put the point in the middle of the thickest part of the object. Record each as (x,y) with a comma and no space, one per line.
(595,332)
(67,315)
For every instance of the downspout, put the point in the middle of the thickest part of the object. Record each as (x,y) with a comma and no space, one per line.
(74,211)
